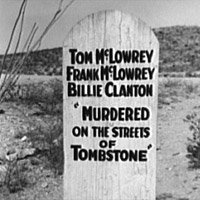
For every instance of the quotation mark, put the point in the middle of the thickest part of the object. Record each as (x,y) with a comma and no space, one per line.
(76,105)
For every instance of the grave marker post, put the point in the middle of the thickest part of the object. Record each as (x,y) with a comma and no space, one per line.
(110,78)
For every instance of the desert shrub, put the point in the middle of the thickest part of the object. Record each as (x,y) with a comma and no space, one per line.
(164,196)
(47,96)
(169,88)
(47,139)
(190,87)
(15,178)
(193,146)
(45,127)
(175,88)
(172,83)
(189,74)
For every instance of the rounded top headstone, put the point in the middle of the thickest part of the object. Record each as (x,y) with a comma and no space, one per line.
(110,79)
(111,28)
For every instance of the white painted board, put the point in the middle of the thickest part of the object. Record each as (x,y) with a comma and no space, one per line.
(110,78)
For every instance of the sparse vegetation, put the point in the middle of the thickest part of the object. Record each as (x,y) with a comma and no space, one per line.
(171,83)
(47,139)
(41,62)
(190,87)
(43,132)
(179,48)
(12,65)
(179,52)
(15,179)
(193,147)
(47,95)
(172,89)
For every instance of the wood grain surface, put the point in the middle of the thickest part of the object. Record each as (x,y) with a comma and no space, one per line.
(110,180)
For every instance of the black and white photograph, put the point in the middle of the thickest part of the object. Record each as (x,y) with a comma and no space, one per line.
(99,100)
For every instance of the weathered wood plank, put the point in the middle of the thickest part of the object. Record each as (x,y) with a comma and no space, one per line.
(116,178)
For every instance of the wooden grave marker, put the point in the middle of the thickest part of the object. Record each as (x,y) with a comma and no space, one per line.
(110,77)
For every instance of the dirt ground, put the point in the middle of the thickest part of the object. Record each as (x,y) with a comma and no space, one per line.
(175,181)
(42,182)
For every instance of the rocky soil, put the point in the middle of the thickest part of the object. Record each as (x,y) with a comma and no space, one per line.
(36,180)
